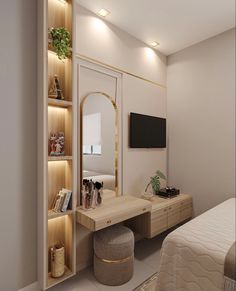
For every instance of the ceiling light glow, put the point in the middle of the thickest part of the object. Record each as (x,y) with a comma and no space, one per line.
(154,44)
(150,54)
(103,12)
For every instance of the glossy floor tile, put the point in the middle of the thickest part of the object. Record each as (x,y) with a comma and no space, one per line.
(146,263)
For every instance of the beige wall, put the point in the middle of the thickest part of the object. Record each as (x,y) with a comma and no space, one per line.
(140,164)
(201,115)
(105,42)
(18,147)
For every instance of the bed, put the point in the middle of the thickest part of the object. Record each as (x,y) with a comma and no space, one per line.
(200,255)
(108,180)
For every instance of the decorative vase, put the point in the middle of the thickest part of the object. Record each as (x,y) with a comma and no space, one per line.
(148,193)
(57,261)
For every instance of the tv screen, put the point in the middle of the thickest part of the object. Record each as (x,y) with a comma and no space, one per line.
(147,131)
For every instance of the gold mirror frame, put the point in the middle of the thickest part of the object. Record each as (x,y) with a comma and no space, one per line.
(116,138)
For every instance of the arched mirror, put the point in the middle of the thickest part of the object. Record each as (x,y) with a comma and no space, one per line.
(99,140)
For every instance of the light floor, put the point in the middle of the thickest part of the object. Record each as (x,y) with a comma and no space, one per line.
(146,263)
(149,285)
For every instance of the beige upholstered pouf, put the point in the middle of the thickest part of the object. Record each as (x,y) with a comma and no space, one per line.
(113,255)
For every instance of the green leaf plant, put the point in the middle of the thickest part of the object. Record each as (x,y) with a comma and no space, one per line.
(155,182)
(60,41)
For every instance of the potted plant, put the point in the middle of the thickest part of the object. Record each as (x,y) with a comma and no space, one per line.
(59,41)
(155,182)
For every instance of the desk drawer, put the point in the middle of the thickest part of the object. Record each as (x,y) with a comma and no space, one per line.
(159,224)
(160,212)
(186,209)
(120,217)
(186,212)
(174,216)
(186,203)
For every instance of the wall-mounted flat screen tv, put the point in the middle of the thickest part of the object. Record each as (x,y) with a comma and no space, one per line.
(147,131)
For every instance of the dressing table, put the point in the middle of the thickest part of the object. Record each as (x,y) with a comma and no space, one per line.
(159,214)
(112,211)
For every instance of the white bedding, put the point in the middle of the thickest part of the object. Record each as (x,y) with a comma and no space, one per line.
(193,255)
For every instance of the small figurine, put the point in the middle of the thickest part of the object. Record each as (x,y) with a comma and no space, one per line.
(56,144)
(55,88)
(58,148)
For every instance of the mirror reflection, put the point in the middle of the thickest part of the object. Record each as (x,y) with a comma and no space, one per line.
(99,140)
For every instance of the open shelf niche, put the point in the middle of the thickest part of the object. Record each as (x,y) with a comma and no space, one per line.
(55,170)
(62,69)
(60,15)
(60,231)
(60,120)
(59,176)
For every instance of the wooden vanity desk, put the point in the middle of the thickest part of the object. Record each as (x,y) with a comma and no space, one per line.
(164,214)
(112,211)
(148,218)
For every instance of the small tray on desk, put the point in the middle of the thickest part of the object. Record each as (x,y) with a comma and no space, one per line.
(171,193)
(167,196)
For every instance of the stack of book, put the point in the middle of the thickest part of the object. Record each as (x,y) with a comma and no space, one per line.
(63,200)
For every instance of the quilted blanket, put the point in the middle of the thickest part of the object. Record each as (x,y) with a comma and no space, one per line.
(193,255)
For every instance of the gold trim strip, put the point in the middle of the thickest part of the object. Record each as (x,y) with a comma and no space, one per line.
(118,70)
(115,261)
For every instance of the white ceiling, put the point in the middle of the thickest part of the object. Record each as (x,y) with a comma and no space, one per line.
(175,24)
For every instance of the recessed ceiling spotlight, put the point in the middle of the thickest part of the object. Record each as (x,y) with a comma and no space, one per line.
(154,44)
(103,12)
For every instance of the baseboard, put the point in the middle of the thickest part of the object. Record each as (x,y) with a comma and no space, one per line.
(35,286)
(32,287)
(80,267)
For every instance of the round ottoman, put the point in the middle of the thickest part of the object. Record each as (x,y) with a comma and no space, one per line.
(113,255)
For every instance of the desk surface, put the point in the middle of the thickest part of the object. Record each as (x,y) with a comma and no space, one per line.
(113,210)
(159,202)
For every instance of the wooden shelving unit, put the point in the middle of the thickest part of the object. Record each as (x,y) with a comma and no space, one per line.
(60,158)
(55,172)
(59,103)
(52,214)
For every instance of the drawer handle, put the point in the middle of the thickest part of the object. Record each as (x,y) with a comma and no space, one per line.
(165,210)
(108,221)
(170,208)
(144,209)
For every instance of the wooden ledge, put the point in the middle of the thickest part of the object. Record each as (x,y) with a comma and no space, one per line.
(112,211)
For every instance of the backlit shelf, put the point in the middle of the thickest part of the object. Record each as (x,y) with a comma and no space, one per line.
(60,158)
(51,51)
(54,281)
(52,214)
(59,103)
